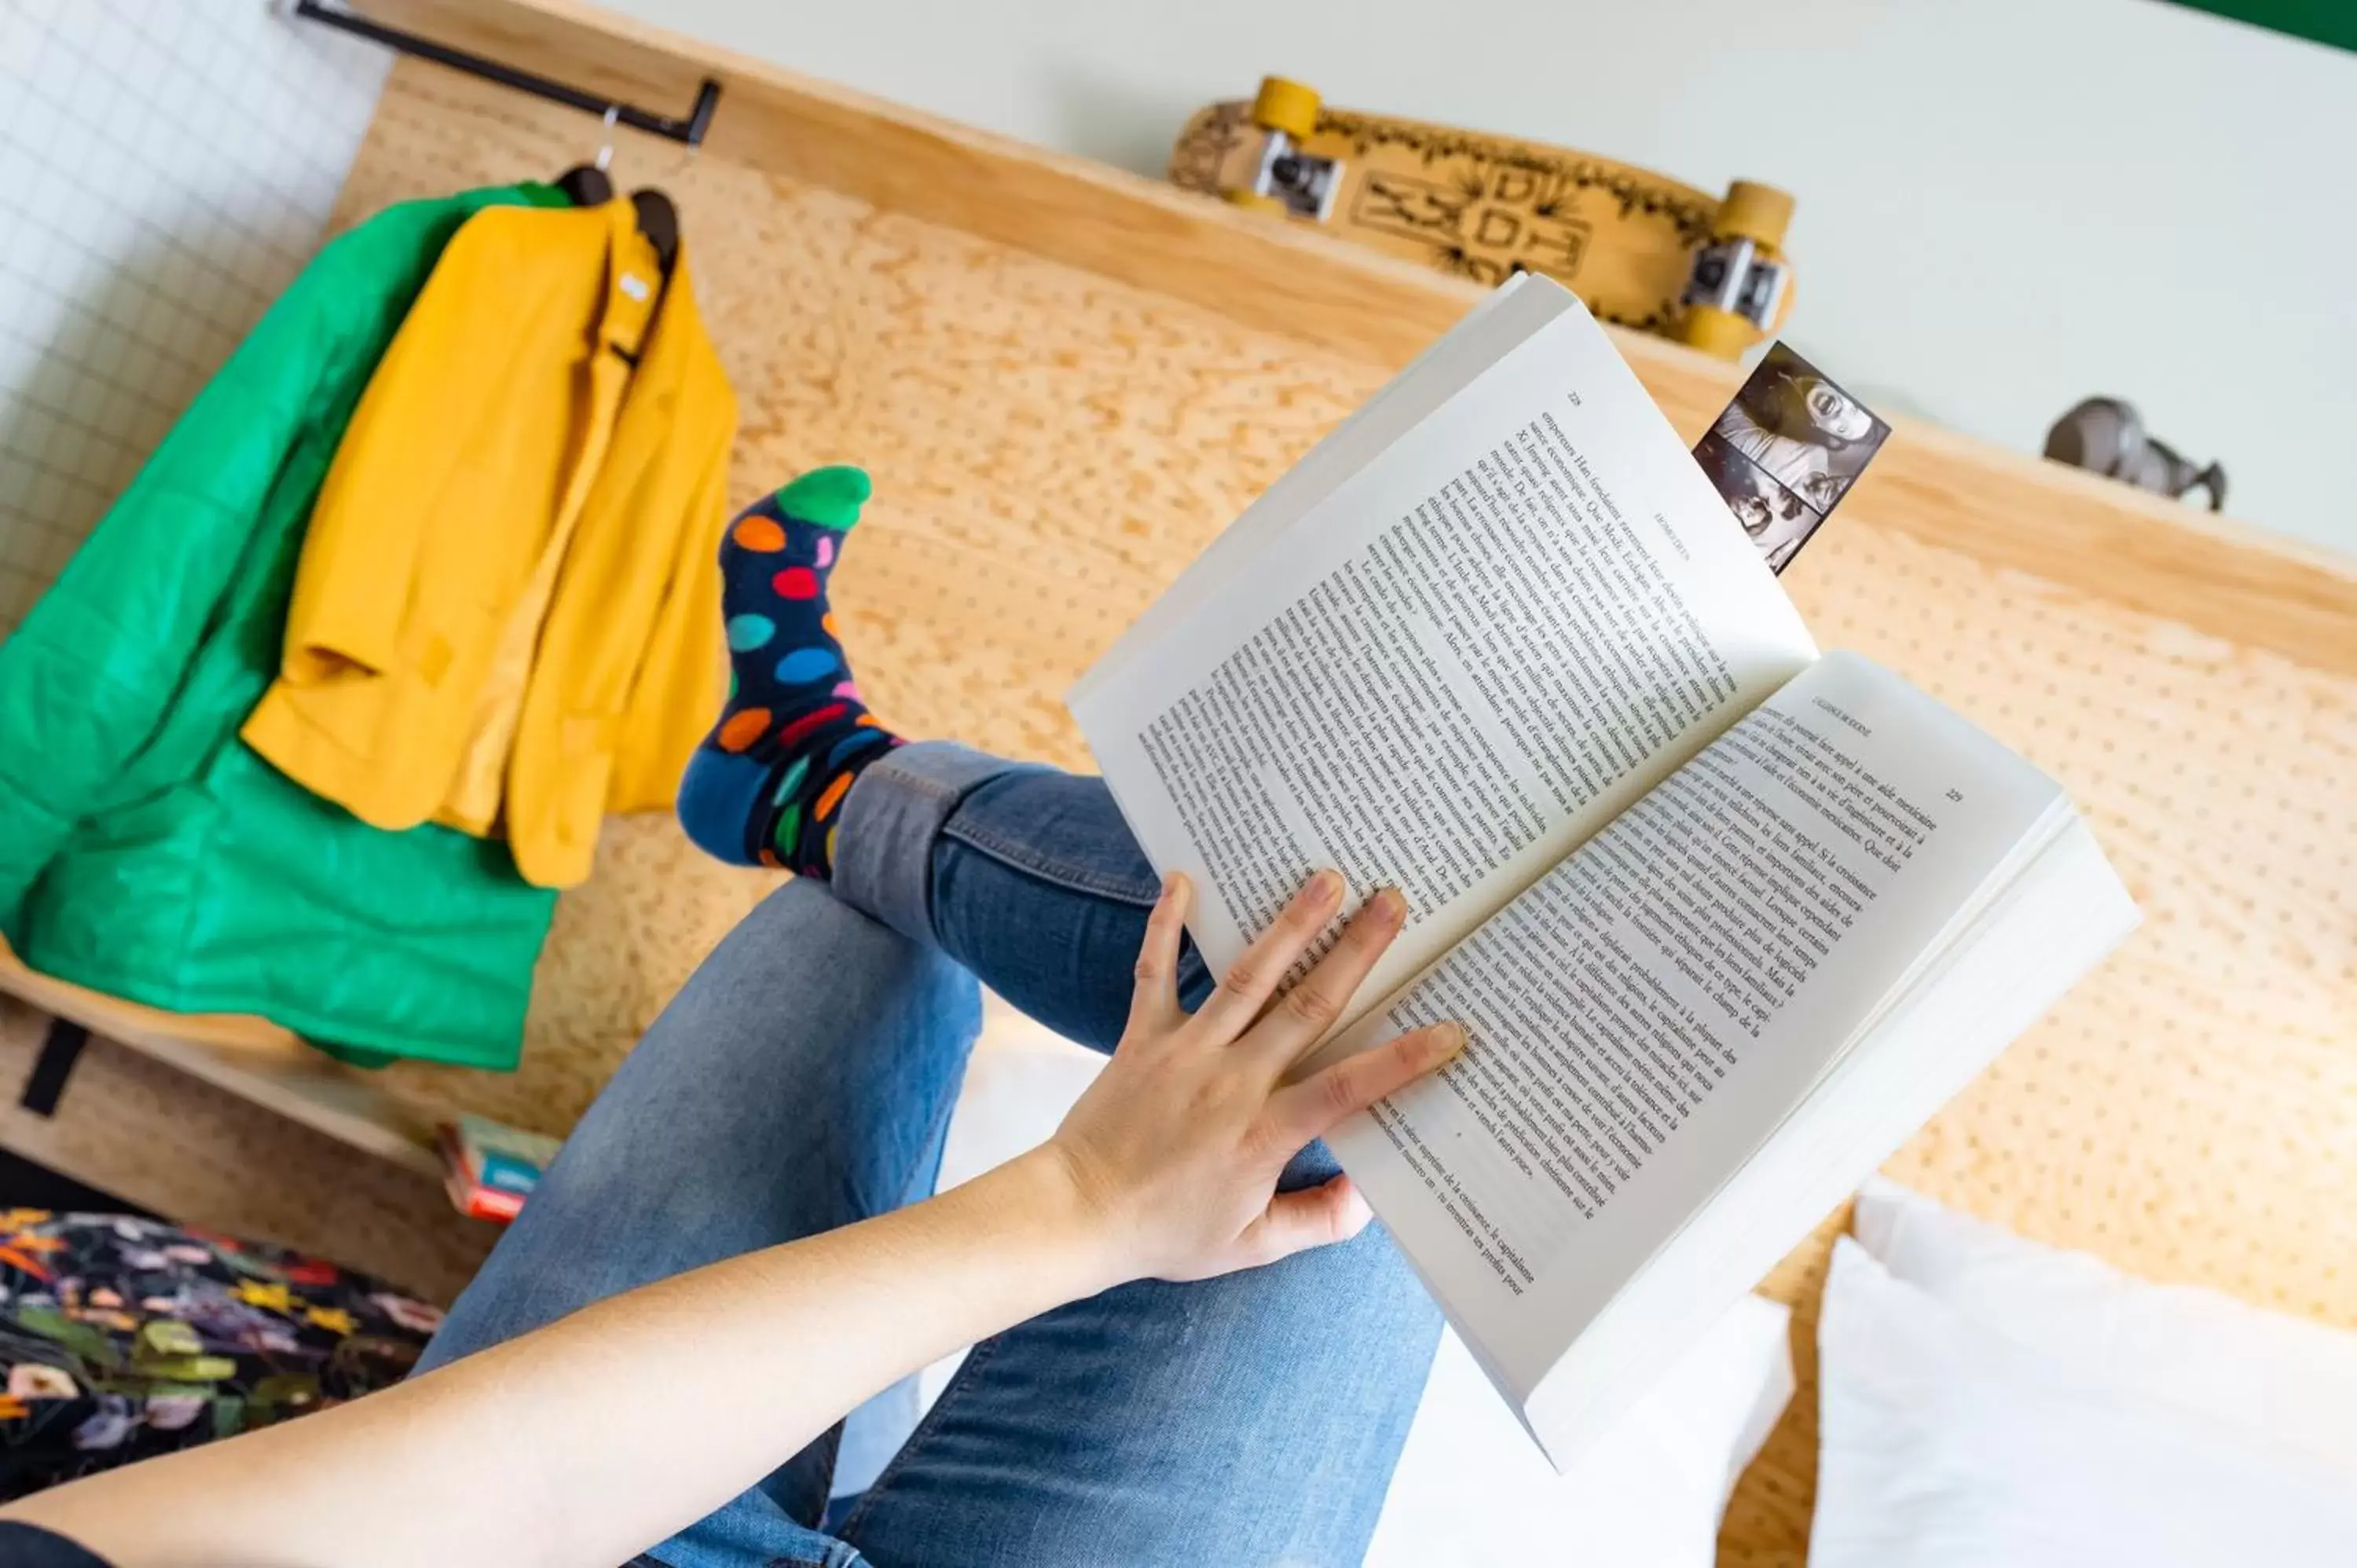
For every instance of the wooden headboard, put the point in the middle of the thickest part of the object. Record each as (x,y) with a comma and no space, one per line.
(1066,379)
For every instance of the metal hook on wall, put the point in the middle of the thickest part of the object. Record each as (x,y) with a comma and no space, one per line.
(606,137)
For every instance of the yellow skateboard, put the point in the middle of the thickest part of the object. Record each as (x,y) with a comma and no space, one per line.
(1641,250)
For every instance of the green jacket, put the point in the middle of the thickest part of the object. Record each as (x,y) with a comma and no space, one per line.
(145,852)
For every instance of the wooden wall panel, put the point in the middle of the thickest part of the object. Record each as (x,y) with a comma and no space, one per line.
(1053,439)
(2000,507)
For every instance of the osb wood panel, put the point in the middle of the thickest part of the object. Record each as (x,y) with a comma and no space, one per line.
(818,133)
(1051,447)
(1312,287)
(1000,553)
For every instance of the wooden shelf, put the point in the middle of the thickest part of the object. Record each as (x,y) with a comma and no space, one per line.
(245,1056)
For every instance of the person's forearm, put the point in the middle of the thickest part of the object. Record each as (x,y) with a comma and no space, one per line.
(590,1440)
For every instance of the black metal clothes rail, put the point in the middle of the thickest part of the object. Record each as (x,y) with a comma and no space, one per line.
(689,130)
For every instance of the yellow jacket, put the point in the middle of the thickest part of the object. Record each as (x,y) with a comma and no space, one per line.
(507,613)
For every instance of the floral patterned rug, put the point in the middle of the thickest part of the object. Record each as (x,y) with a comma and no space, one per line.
(127,1337)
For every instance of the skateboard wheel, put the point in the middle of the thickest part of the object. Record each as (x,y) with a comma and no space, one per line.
(1252,201)
(1718,332)
(1287,106)
(1759,213)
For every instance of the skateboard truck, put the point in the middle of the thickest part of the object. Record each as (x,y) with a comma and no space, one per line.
(1739,277)
(1285,177)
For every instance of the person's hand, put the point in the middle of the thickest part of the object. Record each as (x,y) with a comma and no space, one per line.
(1176,1146)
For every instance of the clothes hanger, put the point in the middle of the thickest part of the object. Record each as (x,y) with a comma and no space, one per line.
(659,221)
(588,184)
(658,215)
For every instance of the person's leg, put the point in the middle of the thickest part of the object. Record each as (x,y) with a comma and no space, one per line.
(1255,1418)
(766,786)
(1039,888)
(1026,875)
(801,1080)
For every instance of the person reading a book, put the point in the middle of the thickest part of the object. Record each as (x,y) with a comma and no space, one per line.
(1725,917)
(1710,919)
(1190,1351)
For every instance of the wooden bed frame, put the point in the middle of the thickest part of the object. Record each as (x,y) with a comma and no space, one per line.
(1066,379)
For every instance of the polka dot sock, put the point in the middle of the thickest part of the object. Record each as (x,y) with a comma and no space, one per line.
(766,787)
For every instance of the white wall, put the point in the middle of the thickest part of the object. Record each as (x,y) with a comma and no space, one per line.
(2005,205)
(165,168)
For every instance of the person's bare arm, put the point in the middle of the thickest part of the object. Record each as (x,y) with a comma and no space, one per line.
(591,1439)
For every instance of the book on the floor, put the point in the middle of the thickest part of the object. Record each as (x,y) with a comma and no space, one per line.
(490,1168)
(1726,919)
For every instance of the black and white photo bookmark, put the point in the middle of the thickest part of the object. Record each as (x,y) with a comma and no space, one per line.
(1786,451)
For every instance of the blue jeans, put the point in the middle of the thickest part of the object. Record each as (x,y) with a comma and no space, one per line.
(803,1078)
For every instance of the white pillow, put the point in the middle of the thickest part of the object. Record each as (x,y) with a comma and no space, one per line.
(1472,1486)
(1946,1445)
(2286,1379)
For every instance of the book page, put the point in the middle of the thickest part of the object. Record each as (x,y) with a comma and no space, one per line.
(2050,921)
(1511,621)
(1644,1015)
(1499,319)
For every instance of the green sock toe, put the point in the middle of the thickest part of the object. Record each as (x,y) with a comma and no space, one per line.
(830,497)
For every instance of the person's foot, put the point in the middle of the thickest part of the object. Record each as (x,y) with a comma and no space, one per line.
(766,787)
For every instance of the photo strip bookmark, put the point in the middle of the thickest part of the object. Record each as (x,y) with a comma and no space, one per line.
(1786,451)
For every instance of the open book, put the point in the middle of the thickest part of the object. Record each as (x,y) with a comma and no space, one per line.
(1725,920)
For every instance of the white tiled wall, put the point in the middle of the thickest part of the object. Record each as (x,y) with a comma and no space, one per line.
(166,169)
